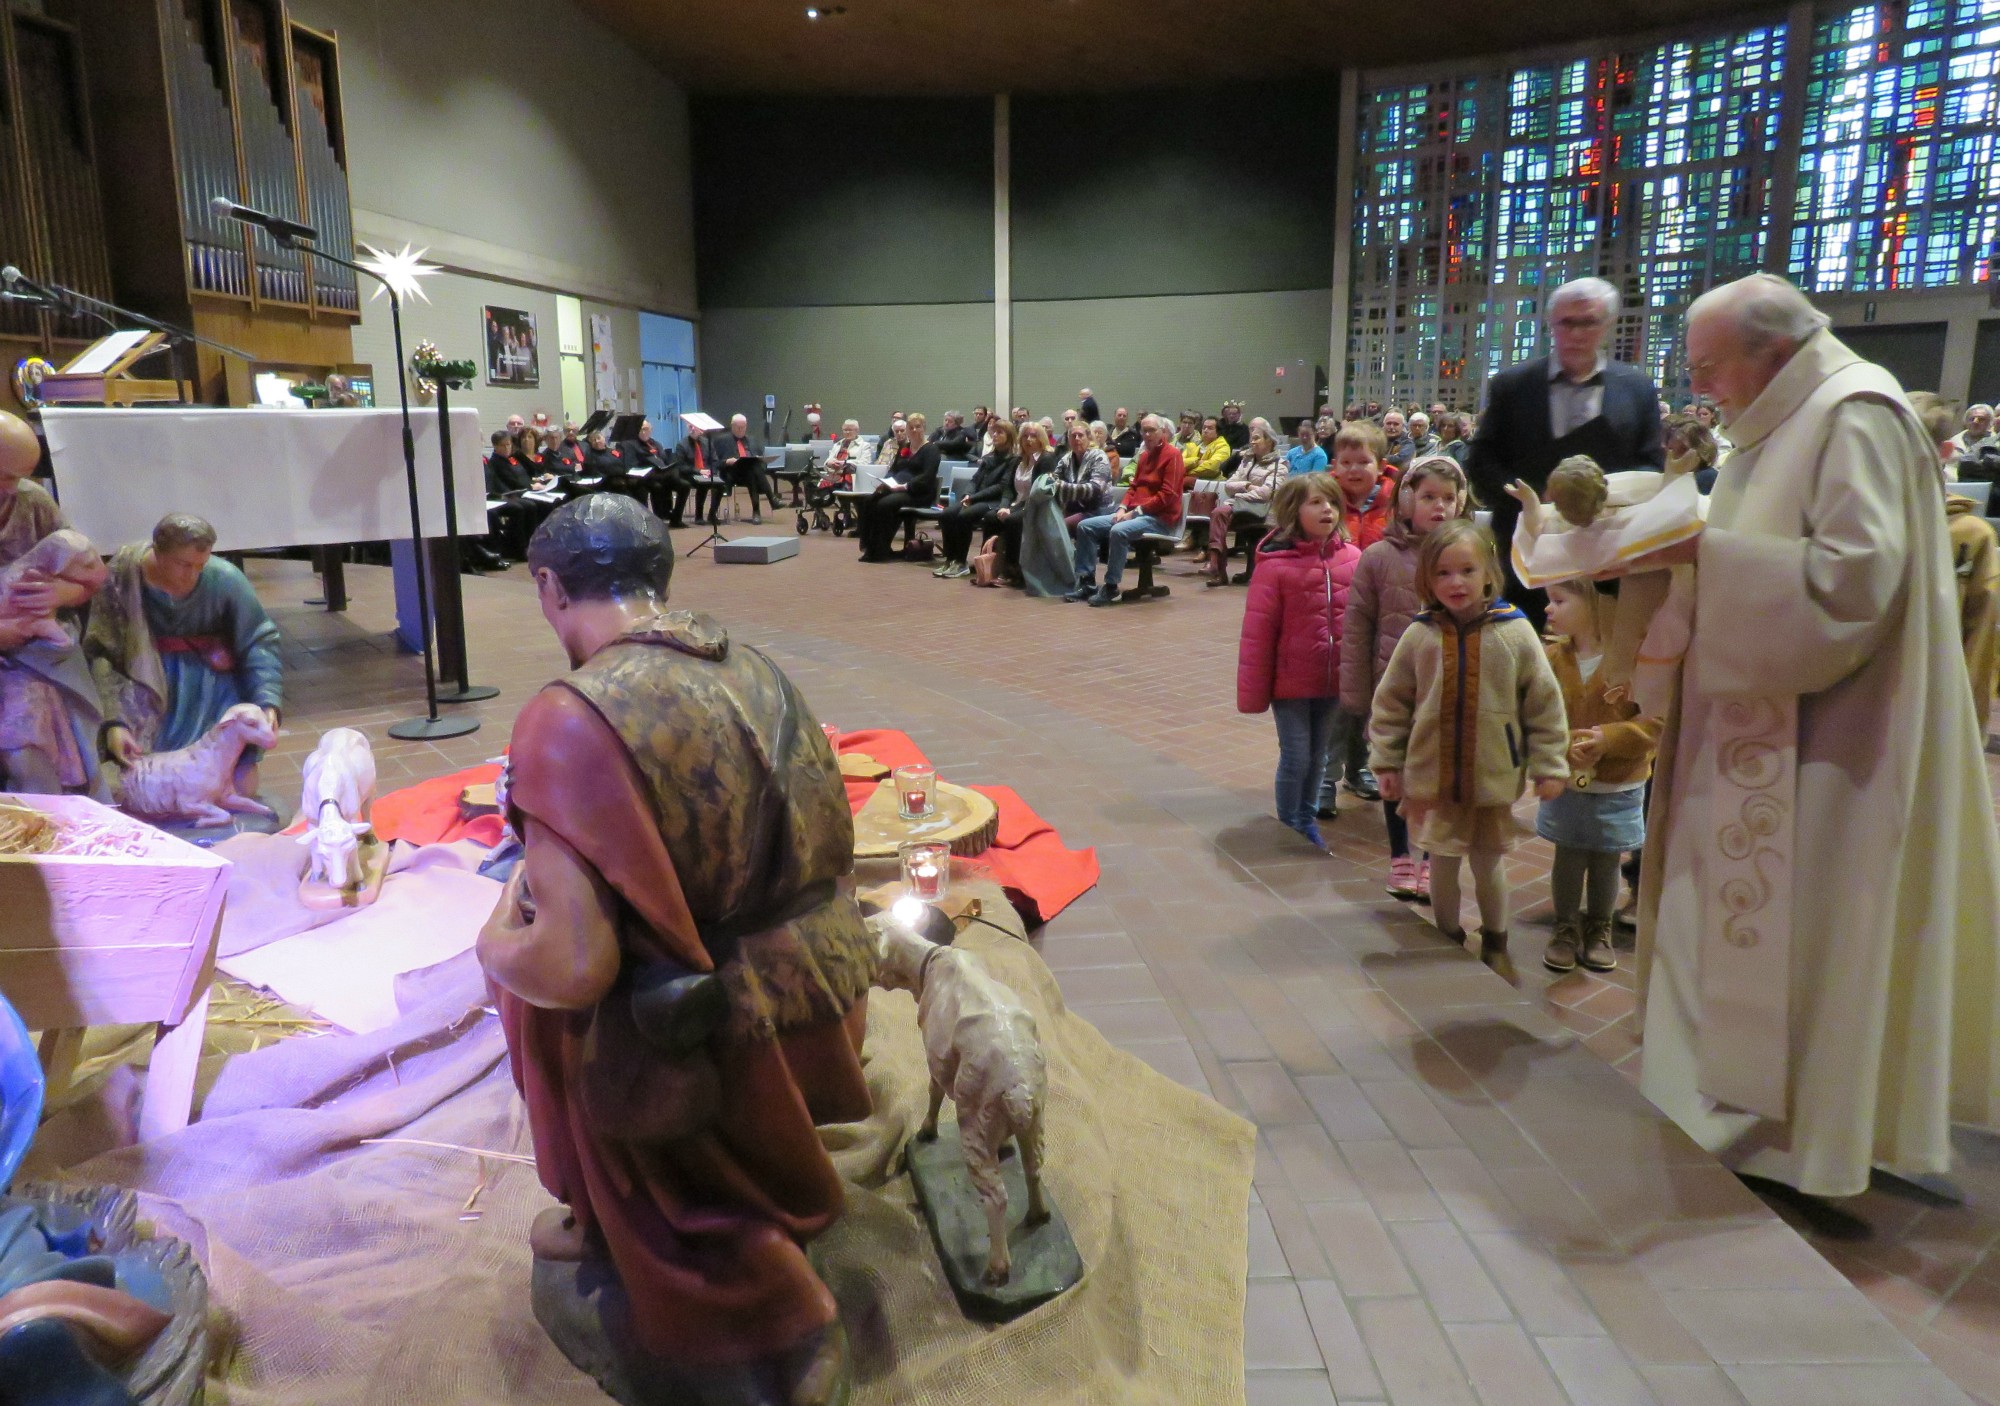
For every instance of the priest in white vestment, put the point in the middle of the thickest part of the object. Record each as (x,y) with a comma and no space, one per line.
(1820,920)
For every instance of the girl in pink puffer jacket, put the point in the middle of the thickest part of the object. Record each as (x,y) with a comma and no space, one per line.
(1289,658)
(1380,606)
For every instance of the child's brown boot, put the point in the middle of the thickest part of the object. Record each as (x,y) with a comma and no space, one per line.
(1597,953)
(1565,946)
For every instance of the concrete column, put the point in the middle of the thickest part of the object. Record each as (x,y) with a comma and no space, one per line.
(1784,187)
(1003,258)
(1349,137)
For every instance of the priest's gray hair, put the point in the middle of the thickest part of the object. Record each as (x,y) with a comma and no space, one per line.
(1764,309)
(1597,290)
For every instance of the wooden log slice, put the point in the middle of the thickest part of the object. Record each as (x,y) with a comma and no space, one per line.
(965,820)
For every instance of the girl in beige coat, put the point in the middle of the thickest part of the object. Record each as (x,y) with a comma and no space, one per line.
(1467,713)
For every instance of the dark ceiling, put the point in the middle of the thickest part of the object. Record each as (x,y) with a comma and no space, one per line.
(888,47)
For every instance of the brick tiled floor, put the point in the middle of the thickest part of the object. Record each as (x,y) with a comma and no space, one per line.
(1460,1196)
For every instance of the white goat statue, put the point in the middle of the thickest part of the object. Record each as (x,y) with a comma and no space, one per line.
(335,848)
(981,1045)
(339,788)
(198,782)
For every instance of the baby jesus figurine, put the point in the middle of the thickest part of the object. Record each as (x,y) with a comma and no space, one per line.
(63,555)
(1600,524)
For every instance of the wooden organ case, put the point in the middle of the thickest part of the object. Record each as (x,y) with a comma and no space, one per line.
(194,99)
(51,220)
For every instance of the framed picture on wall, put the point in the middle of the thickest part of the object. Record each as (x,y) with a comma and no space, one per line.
(513,357)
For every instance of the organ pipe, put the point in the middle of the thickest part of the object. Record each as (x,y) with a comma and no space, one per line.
(51,220)
(205,147)
(270,160)
(323,161)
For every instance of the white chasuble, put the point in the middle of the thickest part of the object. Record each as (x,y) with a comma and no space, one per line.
(1820,923)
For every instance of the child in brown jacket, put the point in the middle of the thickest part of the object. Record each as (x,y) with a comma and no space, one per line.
(1467,715)
(1603,813)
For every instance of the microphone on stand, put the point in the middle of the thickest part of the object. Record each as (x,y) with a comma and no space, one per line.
(277,226)
(48,297)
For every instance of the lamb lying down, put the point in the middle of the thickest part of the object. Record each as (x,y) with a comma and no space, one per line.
(982,1048)
(198,782)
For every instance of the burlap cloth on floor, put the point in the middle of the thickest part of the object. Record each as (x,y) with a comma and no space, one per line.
(346,1274)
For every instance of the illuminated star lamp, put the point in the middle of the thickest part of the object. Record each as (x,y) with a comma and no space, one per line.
(401,271)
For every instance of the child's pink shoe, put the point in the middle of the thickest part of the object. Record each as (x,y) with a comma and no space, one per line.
(1406,878)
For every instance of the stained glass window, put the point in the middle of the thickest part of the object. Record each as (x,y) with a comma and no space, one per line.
(1478,194)
(1899,159)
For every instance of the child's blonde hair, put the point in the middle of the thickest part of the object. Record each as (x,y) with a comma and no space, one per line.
(1451,534)
(1290,500)
(1362,434)
(1603,607)
(1444,469)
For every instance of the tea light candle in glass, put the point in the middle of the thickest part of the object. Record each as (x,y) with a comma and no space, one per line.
(916,791)
(926,870)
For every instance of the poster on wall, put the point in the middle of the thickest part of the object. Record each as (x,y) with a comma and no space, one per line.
(604,362)
(512,356)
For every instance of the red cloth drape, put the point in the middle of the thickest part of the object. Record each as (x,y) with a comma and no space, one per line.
(1041,875)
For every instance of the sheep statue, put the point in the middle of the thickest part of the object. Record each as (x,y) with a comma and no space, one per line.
(982,1049)
(197,783)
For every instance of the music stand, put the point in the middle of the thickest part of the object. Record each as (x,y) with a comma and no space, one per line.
(702,424)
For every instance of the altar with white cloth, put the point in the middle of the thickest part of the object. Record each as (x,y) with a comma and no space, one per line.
(267,477)
(263,477)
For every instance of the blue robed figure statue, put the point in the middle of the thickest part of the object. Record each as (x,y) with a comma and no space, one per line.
(177,638)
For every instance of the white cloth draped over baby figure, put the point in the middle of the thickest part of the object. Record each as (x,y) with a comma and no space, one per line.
(1643,512)
(1820,918)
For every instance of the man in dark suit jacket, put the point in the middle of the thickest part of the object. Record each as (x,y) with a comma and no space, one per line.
(1577,401)
(668,485)
(1086,409)
(740,458)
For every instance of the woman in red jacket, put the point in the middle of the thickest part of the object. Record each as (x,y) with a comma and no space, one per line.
(1289,659)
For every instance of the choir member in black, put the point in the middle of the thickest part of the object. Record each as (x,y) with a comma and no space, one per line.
(507,535)
(668,483)
(539,467)
(911,482)
(569,453)
(742,463)
(610,463)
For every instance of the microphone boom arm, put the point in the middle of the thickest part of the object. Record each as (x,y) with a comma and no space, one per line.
(104,311)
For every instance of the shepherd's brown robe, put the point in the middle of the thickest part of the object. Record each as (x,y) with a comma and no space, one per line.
(650,761)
